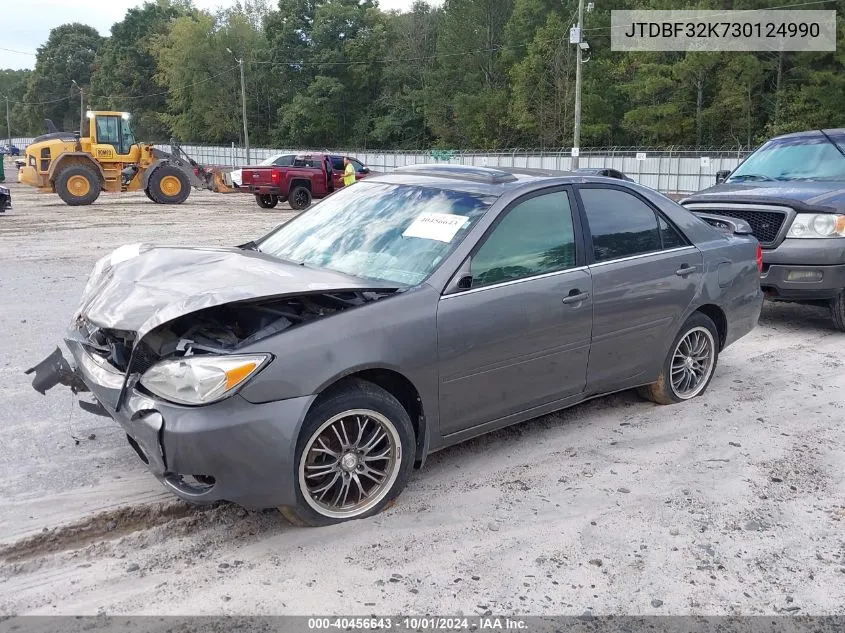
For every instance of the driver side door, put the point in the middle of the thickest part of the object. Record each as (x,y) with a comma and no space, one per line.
(112,143)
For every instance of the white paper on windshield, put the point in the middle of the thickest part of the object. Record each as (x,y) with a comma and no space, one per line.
(435,226)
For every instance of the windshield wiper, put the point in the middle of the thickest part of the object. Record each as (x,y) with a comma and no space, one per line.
(752,176)
(834,143)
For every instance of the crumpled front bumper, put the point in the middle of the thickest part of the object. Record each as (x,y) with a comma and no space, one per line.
(230,450)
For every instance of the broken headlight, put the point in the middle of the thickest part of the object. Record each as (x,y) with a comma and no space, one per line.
(817,225)
(201,379)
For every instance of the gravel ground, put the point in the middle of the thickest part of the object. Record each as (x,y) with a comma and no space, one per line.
(730,504)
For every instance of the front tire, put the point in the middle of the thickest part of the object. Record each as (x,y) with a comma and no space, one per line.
(690,364)
(837,311)
(266,201)
(354,456)
(78,185)
(169,185)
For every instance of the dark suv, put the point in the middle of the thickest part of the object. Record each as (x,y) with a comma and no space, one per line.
(791,191)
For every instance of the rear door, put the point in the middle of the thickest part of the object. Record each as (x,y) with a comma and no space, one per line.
(519,336)
(645,275)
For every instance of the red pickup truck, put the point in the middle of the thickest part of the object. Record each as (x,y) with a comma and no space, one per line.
(311,176)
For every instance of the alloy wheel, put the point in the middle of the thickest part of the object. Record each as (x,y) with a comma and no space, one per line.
(692,362)
(350,463)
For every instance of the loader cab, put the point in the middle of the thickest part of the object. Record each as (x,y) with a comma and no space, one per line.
(111,136)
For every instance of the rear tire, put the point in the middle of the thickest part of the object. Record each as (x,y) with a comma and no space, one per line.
(690,364)
(837,311)
(299,198)
(78,185)
(147,193)
(354,455)
(169,185)
(266,201)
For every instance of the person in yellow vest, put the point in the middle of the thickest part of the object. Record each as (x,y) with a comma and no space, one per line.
(348,172)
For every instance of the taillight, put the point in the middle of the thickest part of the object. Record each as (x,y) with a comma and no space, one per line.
(275,177)
(759,259)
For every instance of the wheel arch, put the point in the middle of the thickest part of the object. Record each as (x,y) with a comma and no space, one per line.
(145,182)
(299,182)
(720,320)
(396,384)
(74,158)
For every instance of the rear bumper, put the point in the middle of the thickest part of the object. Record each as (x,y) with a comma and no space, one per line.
(242,452)
(265,190)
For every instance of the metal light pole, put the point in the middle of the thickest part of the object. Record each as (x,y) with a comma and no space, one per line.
(576,137)
(81,108)
(243,102)
(8,123)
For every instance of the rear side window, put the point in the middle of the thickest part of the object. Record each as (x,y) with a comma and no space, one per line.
(284,161)
(535,237)
(337,163)
(669,235)
(621,224)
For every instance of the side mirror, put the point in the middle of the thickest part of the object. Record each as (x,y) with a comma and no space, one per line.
(722,175)
(462,279)
(365,170)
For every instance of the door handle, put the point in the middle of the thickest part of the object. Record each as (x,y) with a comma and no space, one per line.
(576,296)
(685,270)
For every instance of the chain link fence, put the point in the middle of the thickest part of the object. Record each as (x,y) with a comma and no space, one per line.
(667,169)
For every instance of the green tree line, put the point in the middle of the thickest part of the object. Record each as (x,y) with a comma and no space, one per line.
(470,74)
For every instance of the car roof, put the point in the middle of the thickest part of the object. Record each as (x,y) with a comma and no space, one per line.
(811,134)
(480,180)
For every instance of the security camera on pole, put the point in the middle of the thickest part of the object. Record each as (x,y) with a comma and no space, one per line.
(576,36)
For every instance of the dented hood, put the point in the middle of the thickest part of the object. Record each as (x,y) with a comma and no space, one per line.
(139,287)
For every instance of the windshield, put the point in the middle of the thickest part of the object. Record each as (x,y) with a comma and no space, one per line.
(800,158)
(393,233)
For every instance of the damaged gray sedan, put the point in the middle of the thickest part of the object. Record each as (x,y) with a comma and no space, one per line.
(313,368)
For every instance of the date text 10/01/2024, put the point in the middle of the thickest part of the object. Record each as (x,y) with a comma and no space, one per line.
(419,623)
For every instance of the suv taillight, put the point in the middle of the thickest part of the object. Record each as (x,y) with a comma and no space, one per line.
(759,259)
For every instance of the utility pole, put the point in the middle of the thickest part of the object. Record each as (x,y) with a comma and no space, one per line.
(81,108)
(243,103)
(576,138)
(8,123)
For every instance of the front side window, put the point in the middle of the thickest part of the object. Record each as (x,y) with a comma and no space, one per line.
(621,224)
(394,233)
(128,139)
(535,237)
(357,164)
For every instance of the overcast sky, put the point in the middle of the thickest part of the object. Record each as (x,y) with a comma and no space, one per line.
(26,24)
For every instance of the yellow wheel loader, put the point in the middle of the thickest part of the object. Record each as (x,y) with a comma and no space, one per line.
(109,159)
